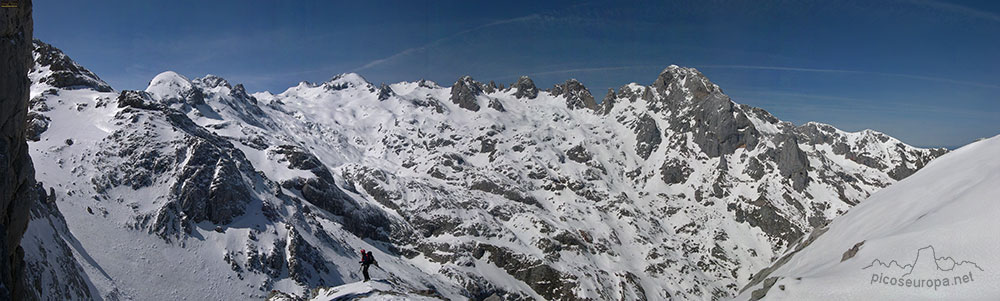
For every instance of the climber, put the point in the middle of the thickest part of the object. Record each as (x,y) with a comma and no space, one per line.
(367,259)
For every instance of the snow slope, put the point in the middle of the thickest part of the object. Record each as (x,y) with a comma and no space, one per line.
(149,198)
(669,190)
(372,290)
(930,236)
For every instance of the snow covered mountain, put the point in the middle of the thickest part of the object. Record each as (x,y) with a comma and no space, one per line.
(669,190)
(931,236)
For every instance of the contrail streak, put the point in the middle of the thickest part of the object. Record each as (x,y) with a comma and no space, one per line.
(442,40)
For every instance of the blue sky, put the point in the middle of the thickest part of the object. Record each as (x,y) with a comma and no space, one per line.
(924,71)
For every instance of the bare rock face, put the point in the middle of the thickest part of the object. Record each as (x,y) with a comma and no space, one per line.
(491,87)
(37,124)
(608,103)
(322,191)
(304,261)
(579,154)
(464,93)
(137,99)
(647,136)
(524,88)
(17,174)
(221,198)
(497,105)
(793,163)
(544,279)
(675,172)
(384,92)
(577,96)
(719,126)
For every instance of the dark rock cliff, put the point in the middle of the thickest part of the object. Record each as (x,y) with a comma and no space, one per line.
(577,96)
(17,175)
(524,88)
(464,93)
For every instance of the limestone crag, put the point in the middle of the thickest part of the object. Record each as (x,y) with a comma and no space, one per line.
(524,88)
(17,175)
(577,96)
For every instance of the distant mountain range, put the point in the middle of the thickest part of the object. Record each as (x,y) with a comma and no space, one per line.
(198,189)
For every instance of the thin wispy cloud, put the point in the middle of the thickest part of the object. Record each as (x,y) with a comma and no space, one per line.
(820,70)
(440,41)
(786,94)
(770,68)
(582,70)
(958,9)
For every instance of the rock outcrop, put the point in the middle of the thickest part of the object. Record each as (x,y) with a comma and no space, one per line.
(384,92)
(17,175)
(718,126)
(647,136)
(524,88)
(464,93)
(577,96)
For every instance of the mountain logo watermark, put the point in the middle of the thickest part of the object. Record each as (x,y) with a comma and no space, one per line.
(926,271)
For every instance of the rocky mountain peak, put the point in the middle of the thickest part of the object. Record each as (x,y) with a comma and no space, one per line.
(681,80)
(428,84)
(212,81)
(209,84)
(347,80)
(630,92)
(491,87)
(63,72)
(577,96)
(465,91)
(169,87)
(674,71)
(468,81)
(241,92)
(524,88)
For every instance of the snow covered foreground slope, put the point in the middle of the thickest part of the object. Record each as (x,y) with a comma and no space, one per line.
(930,236)
(670,190)
(375,290)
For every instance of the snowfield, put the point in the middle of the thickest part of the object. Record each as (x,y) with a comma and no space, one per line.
(931,236)
(372,290)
